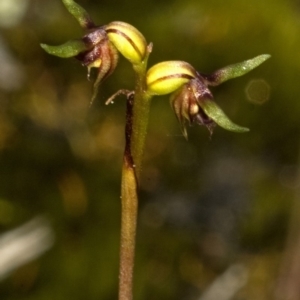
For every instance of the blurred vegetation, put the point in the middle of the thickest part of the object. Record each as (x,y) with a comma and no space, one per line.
(205,204)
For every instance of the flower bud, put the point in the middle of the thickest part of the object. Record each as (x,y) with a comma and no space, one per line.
(128,40)
(166,77)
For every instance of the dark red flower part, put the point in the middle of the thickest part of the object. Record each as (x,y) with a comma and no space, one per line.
(186,103)
(194,103)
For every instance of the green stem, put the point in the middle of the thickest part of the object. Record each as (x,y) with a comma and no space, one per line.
(128,230)
(140,118)
(137,116)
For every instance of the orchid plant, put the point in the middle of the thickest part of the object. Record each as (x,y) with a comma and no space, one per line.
(191,100)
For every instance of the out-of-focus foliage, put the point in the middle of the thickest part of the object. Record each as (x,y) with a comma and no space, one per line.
(206,204)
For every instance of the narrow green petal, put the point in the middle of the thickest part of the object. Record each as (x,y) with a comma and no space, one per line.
(66,50)
(218,116)
(235,70)
(79,13)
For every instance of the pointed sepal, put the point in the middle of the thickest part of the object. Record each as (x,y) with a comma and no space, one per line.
(66,50)
(79,13)
(235,70)
(214,112)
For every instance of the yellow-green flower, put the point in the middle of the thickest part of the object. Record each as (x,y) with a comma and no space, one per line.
(99,47)
(191,98)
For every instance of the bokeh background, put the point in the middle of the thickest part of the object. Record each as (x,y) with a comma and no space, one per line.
(218,217)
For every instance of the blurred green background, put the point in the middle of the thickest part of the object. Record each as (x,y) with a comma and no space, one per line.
(209,207)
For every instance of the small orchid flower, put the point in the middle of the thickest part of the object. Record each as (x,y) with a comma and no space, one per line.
(192,100)
(99,47)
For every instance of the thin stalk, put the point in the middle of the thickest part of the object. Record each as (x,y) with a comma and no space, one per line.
(128,230)
(137,116)
(140,118)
